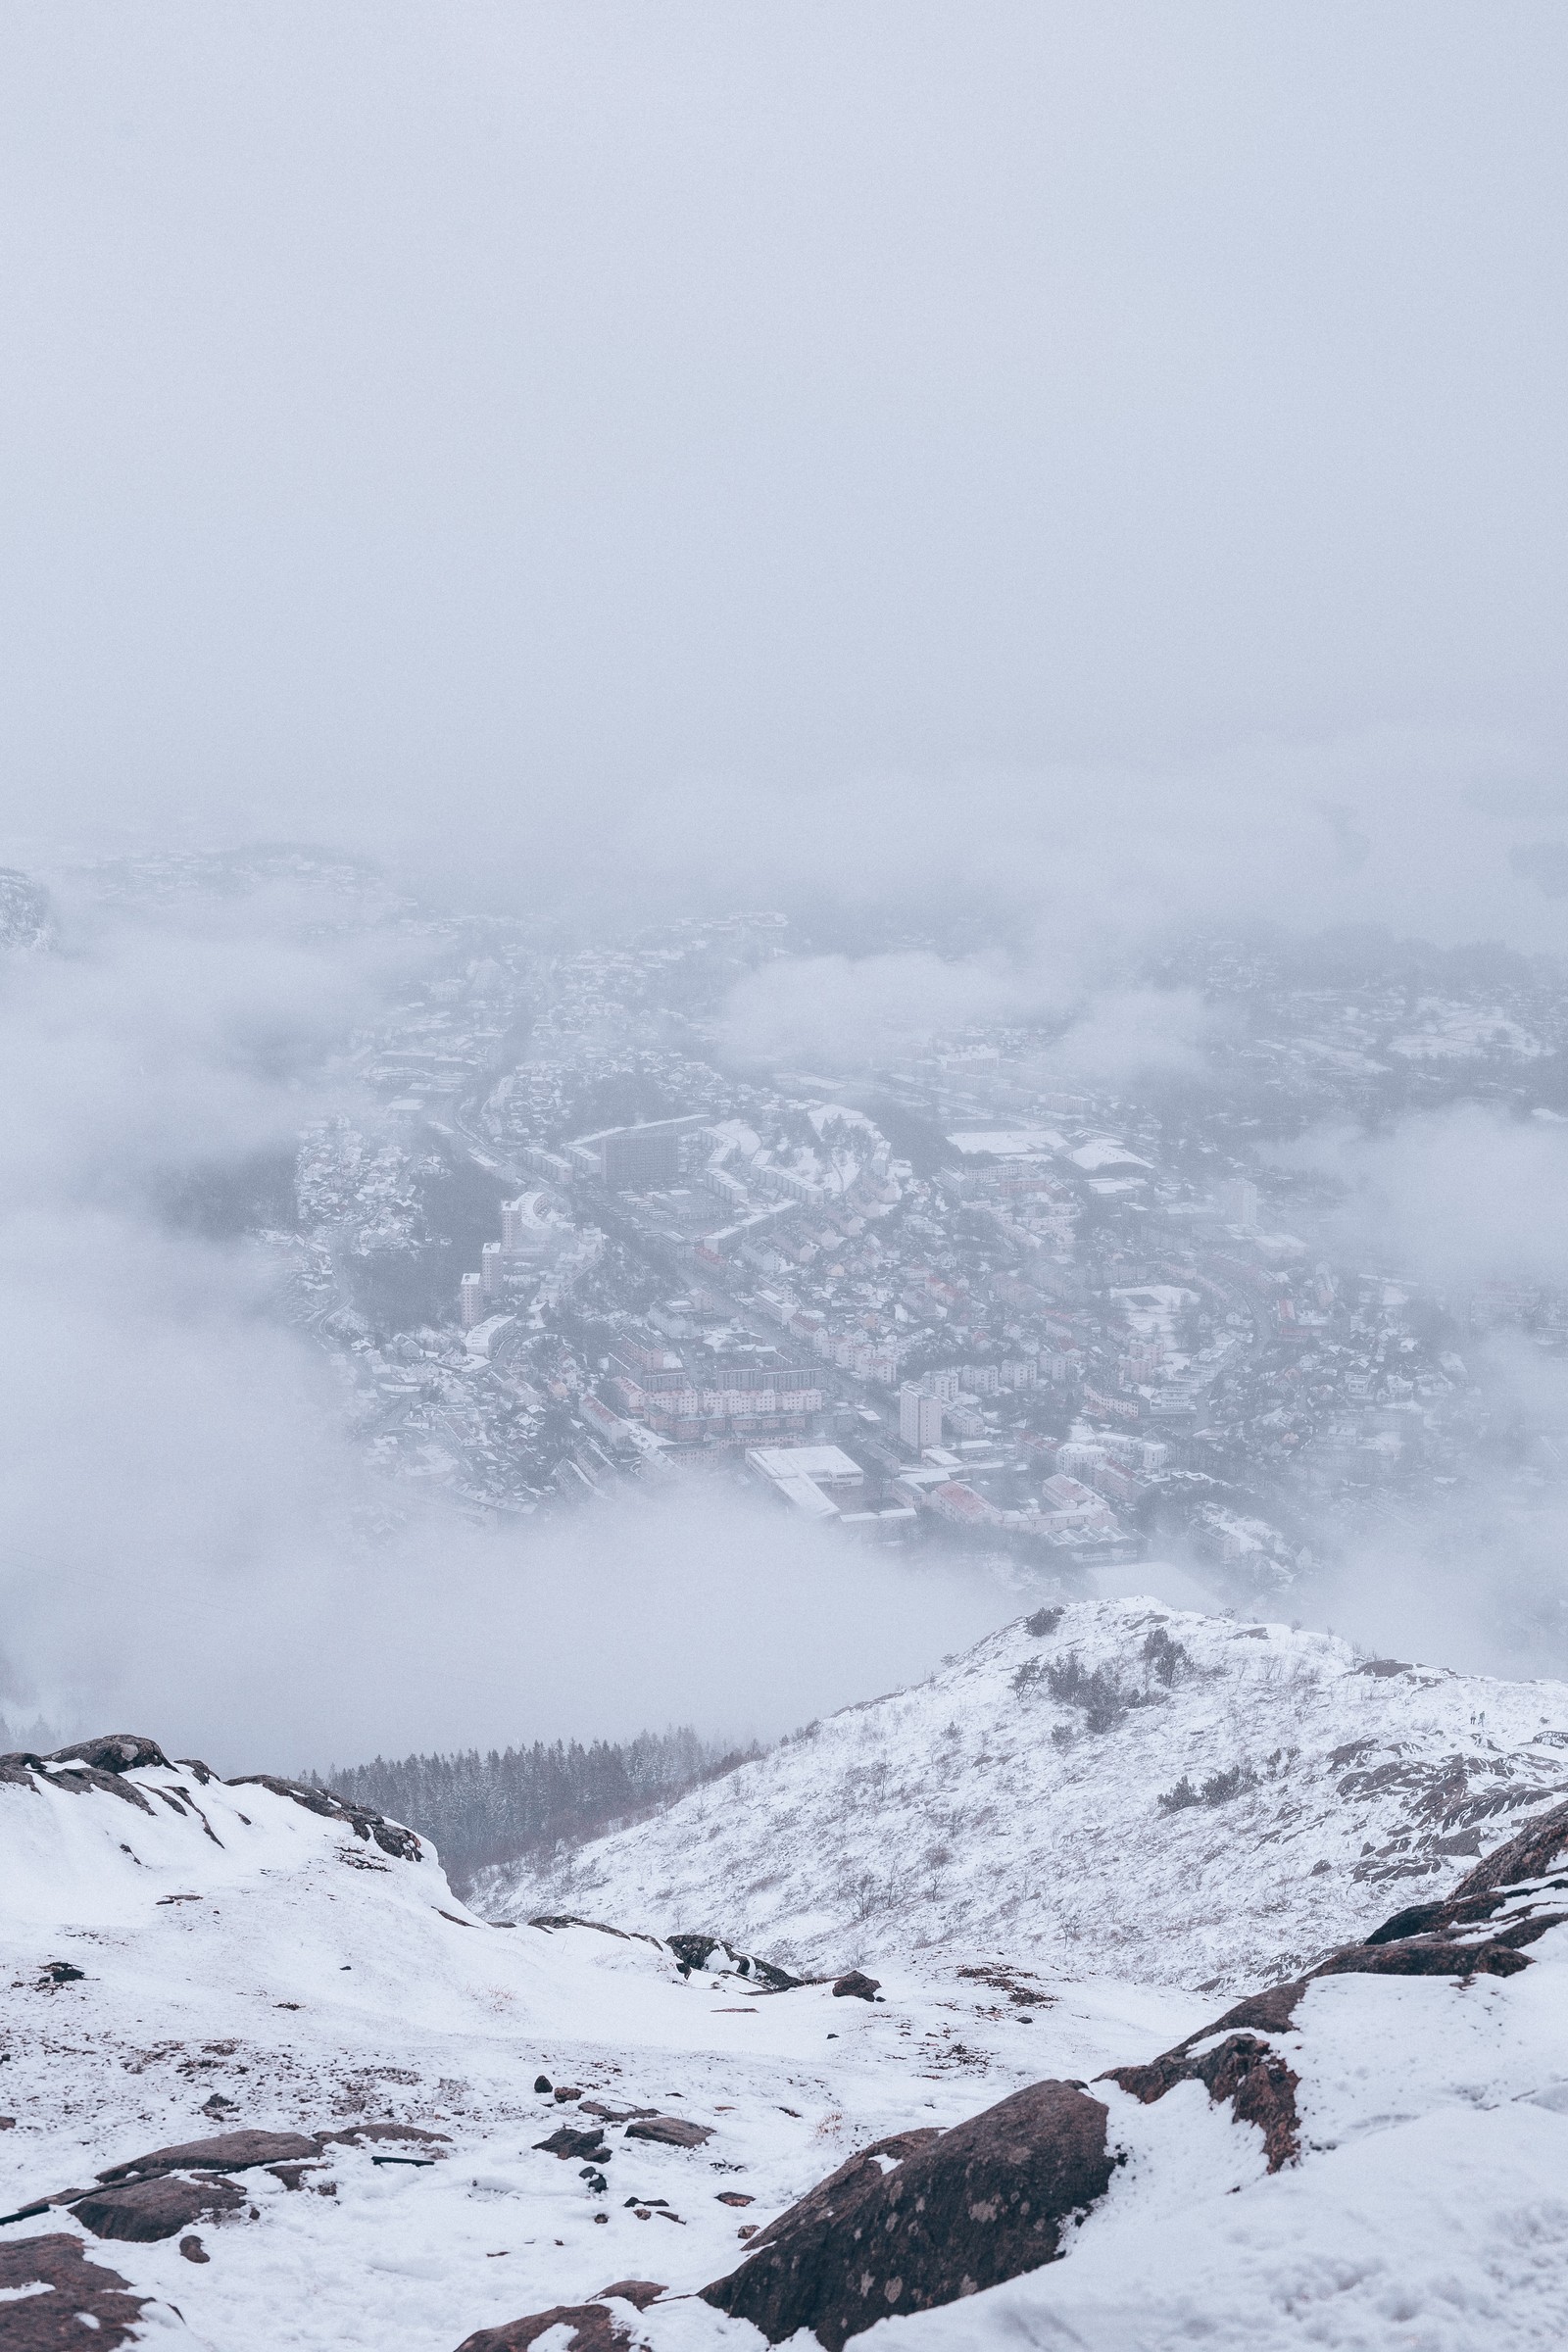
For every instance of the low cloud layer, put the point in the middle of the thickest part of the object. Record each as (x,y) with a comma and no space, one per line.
(844,1012)
(193,1547)
(1458,1198)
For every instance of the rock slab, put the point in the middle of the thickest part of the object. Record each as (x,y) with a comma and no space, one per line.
(81,2301)
(955,2211)
(145,2211)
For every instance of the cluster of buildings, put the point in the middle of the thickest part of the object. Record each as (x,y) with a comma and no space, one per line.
(1062,1325)
(535,1263)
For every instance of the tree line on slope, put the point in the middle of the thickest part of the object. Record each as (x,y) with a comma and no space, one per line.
(524,1804)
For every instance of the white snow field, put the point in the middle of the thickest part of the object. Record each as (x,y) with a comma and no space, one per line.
(247,1963)
(980,1811)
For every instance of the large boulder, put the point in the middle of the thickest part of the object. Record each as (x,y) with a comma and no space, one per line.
(225,2152)
(114,1752)
(924,2218)
(55,2300)
(566,2142)
(669,2131)
(144,2211)
(694,1951)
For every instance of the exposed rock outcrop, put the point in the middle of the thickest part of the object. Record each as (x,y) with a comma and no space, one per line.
(694,1951)
(389,1836)
(145,2211)
(551,1921)
(1241,2067)
(225,2152)
(669,2131)
(359,2135)
(857,1987)
(594,2327)
(153,2196)
(1508,1902)
(56,2299)
(922,2220)
(114,1752)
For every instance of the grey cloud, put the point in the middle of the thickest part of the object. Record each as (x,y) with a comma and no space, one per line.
(844,1012)
(304,1635)
(1458,1198)
(192,1542)
(1545,864)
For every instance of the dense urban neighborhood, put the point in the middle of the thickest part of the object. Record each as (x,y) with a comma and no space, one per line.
(565,1236)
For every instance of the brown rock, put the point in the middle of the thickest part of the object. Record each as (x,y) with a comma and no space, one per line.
(858,2174)
(359,2135)
(963,2210)
(80,1779)
(640,2291)
(144,2211)
(1433,1957)
(193,2250)
(1256,2080)
(83,2300)
(856,1987)
(567,2141)
(1538,1849)
(228,2152)
(594,2327)
(115,1751)
(669,2131)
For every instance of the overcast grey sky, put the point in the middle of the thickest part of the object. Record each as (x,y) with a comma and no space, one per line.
(506,425)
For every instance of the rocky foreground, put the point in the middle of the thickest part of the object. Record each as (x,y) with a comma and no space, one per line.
(267,2082)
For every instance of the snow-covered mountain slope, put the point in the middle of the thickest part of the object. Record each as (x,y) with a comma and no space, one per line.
(182,1958)
(1107,1788)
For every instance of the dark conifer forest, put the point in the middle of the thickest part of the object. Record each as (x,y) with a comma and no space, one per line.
(481,1810)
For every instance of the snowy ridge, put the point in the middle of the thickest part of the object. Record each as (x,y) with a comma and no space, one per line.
(1111,1788)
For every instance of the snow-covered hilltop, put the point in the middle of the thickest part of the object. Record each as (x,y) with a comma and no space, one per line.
(1109,1789)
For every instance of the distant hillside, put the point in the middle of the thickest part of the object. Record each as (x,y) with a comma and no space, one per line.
(1111,1788)
(480,1811)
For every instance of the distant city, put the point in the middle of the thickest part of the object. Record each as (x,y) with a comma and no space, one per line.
(569,1244)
